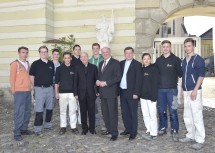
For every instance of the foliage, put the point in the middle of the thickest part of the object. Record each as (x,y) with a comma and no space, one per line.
(63,44)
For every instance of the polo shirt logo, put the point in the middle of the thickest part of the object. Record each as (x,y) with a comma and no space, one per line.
(71,73)
(146,74)
(168,65)
(50,67)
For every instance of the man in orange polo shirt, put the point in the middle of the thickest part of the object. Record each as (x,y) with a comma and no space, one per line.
(21,90)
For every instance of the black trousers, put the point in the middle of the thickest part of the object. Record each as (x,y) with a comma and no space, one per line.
(87,108)
(110,113)
(129,112)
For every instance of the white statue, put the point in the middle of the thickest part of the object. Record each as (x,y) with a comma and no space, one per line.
(104,31)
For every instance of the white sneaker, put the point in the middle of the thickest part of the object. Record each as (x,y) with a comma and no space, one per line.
(197,146)
(185,140)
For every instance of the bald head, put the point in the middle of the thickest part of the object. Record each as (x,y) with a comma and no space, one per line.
(106,53)
(84,58)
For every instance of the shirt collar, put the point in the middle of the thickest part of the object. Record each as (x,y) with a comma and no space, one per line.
(107,60)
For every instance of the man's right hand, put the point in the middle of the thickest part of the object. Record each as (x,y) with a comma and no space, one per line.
(57,95)
(98,83)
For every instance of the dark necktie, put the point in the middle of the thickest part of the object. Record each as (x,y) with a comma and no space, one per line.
(103,68)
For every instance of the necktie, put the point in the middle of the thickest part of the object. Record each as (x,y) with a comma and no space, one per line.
(103,68)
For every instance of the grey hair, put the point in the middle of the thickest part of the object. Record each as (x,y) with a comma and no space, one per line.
(85,53)
(107,48)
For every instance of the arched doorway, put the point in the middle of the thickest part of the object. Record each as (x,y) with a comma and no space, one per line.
(152,14)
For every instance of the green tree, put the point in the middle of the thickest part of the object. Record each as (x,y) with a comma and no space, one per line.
(62,44)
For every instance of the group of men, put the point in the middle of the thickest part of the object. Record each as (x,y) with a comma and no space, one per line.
(97,82)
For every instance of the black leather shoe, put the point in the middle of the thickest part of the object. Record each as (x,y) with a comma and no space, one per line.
(113,138)
(18,138)
(132,136)
(75,131)
(84,132)
(105,133)
(93,132)
(62,131)
(27,132)
(124,133)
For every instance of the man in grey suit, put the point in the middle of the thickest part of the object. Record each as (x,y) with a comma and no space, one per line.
(108,80)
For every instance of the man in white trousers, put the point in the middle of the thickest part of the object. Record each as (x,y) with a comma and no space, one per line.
(193,68)
(64,91)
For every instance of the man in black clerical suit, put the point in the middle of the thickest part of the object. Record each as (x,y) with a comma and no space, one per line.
(85,81)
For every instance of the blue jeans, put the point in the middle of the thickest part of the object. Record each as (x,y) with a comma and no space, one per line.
(165,98)
(22,111)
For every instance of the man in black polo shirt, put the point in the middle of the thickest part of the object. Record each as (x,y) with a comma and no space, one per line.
(64,91)
(41,74)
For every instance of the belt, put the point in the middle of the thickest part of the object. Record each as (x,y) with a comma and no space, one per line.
(44,86)
(123,89)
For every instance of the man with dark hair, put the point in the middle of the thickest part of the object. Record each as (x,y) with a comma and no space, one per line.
(41,75)
(130,87)
(64,91)
(85,81)
(21,90)
(169,67)
(76,55)
(108,79)
(95,60)
(193,68)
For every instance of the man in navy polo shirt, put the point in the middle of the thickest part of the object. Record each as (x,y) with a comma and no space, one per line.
(41,75)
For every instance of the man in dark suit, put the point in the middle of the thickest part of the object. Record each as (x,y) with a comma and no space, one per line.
(130,88)
(109,77)
(85,92)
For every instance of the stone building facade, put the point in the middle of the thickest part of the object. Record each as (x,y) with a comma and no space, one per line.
(30,22)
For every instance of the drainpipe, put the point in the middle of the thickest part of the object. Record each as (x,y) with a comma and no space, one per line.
(214,45)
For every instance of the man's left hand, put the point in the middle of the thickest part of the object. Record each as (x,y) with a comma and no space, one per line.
(193,95)
(135,96)
(102,83)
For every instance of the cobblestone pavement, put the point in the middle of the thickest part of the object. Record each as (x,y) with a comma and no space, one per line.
(51,142)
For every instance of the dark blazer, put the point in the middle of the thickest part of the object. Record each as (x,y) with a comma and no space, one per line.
(133,78)
(112,76)
(85,81)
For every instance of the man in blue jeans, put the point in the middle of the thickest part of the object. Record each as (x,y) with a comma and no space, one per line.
(169,67)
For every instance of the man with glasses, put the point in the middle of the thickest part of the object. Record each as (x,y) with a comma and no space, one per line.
(41,75)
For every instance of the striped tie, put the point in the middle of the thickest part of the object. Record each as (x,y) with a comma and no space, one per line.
(103,68)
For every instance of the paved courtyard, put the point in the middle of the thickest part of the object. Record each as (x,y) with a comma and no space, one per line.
(51,142)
